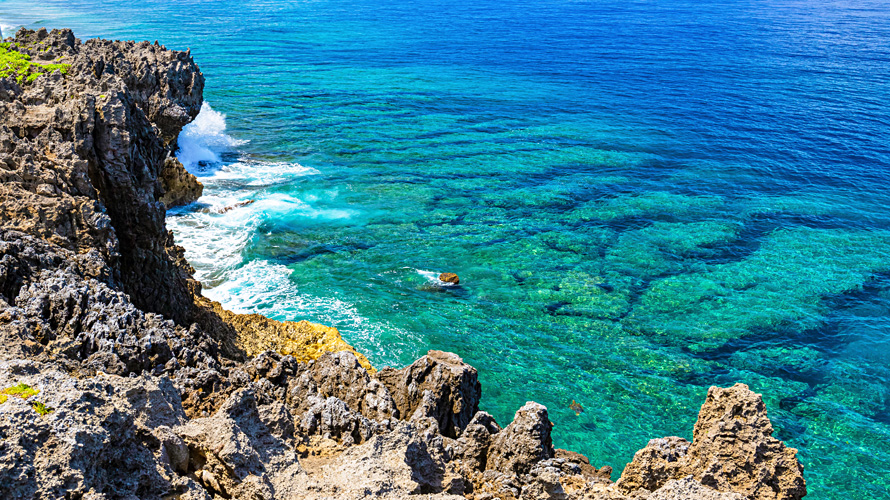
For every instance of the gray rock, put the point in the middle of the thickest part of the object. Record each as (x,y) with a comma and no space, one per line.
(103,434)
(453,386)
(234,453)
(524,442)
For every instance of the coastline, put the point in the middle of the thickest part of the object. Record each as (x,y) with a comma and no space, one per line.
(98,293)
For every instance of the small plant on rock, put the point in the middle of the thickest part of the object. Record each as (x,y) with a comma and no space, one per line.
(23,391)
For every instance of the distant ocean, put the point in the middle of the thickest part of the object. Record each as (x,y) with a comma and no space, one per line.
(641,198)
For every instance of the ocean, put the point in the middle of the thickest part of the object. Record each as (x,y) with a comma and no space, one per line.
(642,199)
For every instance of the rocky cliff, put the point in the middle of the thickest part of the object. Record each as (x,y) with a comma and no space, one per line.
(118,380)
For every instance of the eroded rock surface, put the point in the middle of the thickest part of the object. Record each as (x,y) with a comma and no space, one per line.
(733,450)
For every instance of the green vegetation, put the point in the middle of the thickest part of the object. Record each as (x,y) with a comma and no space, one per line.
(41,408)
(21,390)
(25,391)
(14,63)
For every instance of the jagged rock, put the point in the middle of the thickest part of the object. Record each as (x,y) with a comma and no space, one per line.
(661,460)
(690,489)
(453,386)
(180,187)
(733,450)
(576,463)
(331,418)
(234,453)
(524,442)
(103,434)
(393,465)
(473,444)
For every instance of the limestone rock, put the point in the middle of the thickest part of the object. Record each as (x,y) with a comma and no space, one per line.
(102,434)
(180,186)
(453,387)
(395,465)
(661,460)
(690,489)
(524,442)
(733,450)
(235,453)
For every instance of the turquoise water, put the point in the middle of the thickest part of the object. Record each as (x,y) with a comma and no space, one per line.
(642,199)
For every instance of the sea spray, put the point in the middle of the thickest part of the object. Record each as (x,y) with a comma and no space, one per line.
(201,141)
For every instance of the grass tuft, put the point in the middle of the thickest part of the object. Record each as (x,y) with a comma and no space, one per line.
(21,390)
(18,65)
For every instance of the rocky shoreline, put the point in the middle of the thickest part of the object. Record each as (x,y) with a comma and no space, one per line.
(119,380)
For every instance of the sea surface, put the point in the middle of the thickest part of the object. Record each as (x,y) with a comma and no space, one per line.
(642,199)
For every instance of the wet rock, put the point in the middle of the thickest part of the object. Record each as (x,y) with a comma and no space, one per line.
(449,278)
(452,385)
(180,187)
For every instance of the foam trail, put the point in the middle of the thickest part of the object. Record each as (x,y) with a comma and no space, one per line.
(262,287)
(216,230)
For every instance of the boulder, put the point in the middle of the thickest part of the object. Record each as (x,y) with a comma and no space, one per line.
(449,278)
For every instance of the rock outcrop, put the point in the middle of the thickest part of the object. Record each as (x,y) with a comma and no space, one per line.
(119,380)
(733,450)
(180,186)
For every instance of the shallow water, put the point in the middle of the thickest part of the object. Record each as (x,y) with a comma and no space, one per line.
(642,199)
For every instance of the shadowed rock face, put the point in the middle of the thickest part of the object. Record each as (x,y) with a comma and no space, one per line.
(138,387)
(438,386)
(80,157)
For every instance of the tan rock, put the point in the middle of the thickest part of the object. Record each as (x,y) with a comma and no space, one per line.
(180,187)
(449,278)
(733,450)
(439,386)
(522,443)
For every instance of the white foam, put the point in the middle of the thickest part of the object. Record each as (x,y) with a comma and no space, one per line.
(7,30)
(238,197)
(265,288)
(204,139)
(433,277)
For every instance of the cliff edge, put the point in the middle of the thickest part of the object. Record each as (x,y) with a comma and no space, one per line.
(119,380)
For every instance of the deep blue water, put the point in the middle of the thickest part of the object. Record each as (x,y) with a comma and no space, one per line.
(642,199)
